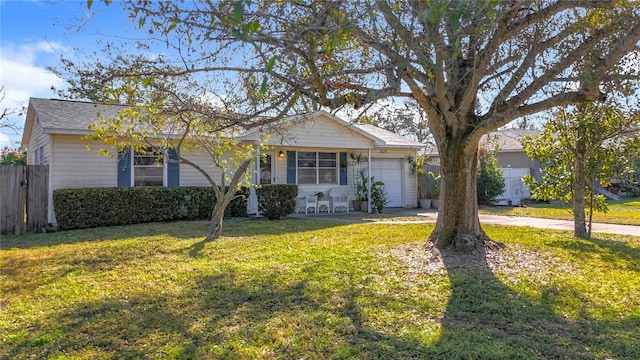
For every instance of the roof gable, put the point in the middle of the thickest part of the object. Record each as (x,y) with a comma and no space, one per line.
(306,124)
(61,115)
(388,138)
(57,116)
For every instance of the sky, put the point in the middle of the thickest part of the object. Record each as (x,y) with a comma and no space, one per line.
(34,34)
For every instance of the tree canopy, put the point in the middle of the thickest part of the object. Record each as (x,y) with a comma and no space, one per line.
(177,115)
(582,149)
(471,66)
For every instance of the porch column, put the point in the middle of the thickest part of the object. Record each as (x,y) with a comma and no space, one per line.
(255,179)
(252,204)
(369,180)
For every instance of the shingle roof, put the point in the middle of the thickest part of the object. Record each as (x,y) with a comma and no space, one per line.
(390,138)
(74,117)
(508,139)
(60,115)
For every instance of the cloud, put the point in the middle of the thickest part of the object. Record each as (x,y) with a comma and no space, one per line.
(23,74)
(23,71)
(4,140)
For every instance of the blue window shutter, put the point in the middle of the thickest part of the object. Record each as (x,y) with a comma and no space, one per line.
(343,168)
(124,168)
(173,169)
(291,167)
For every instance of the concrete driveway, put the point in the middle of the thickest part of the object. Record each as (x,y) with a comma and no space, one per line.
(546,223)
(432,215)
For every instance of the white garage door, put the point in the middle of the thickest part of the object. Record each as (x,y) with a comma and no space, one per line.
(389,171)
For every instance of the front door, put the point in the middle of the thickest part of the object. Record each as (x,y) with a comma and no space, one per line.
(266,169)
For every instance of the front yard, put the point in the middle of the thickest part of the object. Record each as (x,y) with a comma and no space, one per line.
(625,212)
(302,289)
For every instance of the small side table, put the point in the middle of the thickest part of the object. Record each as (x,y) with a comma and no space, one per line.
(324,206)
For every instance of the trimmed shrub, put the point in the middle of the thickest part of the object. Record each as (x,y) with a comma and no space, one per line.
(276,201)
(93,207)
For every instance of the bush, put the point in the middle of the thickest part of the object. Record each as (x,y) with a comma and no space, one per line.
(378,195)
(276,201)
(93,207)
(490,180)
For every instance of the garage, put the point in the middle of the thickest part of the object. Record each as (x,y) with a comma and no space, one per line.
(389,171)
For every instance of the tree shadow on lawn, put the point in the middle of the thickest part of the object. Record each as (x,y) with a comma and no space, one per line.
(263,227)
(606,249)
(179,230)
(277,313)
(221,316)
(211,319)
(485,319)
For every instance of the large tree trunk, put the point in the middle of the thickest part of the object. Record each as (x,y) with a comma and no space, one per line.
(458,224)
(579,193)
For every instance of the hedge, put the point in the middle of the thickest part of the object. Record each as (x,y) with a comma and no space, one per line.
(276,201)
(93,207)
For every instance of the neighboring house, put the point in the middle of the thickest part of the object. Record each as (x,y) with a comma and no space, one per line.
(510,152)
(308,152)
(511,158)
(514,162)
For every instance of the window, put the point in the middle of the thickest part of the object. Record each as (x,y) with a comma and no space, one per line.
(317,168)
(35,157)
(148,168)
(38,156)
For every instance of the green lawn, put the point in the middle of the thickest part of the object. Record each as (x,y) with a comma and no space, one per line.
(303,289)
(620,212)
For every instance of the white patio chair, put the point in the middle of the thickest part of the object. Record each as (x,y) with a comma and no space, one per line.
(307,203)
(340,201)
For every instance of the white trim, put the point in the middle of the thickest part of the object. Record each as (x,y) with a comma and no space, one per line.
(256,175)
(51,215)
(165,174)
(165,170)
(66,131)
(398,147)
(252,201)
(132,175)
(369,179)
(318,168)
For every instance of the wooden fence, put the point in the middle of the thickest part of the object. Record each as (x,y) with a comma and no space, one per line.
(427,182)
(23,196)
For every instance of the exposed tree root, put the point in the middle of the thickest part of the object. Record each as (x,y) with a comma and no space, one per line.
(464,243)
